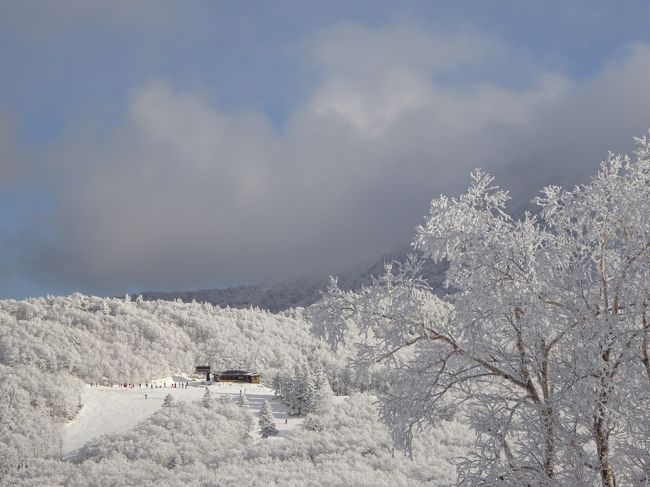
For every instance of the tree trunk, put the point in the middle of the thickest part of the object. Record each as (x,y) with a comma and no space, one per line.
(602,446)
(549,440)
(601,436)
(645,356)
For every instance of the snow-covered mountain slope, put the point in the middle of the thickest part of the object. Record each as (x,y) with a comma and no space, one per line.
(111,410)
(50,347)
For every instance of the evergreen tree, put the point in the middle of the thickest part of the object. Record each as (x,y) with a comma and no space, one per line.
(168,402)
(174,461)
(227,399)
(277,384)
(313,423)
(301,390)
(266,422)
(249,419)
(308,400)
(208,401)
(290,391)
(242,401)
(320,379)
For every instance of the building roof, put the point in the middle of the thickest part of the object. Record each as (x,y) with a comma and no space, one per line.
(237,372)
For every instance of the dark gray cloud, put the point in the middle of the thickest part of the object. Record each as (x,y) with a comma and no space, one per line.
(186,194)
(13,162)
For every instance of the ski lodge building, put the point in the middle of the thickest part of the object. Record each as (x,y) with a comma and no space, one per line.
(229,375)
(238,376)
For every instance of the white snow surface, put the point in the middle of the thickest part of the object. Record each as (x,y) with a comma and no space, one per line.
(108,410)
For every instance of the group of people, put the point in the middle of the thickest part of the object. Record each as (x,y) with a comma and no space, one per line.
(126,385)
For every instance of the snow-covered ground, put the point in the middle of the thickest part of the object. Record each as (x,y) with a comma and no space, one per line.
(116,409)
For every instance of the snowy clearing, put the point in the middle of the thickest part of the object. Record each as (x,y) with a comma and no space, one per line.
(109,410)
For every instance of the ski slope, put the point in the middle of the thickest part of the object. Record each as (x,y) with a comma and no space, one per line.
(108,410)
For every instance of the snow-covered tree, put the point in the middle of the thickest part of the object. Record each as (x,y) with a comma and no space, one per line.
(313,423)
(168,402)
(291,390)
(225,399)
(208,401)
(309,398)
(276,384)
(175,461)
(266,421)
(242,401)
(543,343)
(51,346)
(320,379)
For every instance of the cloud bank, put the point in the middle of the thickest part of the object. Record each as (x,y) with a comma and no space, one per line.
(186,194)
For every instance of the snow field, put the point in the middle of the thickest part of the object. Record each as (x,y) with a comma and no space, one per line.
(110,410)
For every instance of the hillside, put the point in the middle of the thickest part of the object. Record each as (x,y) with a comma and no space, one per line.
(56,429)
(50,347)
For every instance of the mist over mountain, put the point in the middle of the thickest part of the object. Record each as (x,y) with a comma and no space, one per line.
(302,292)
(516,177)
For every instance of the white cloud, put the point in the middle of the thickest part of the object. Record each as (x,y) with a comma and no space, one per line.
(187,195)
(375,77)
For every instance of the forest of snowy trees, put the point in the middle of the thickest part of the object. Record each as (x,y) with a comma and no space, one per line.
(50,347)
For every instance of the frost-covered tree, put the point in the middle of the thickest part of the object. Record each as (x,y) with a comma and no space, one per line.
(242,401)
(208,401)
(304,390)
(299,393)
(276,384)
(266,421)
(225,399)
(175,461)
(602,264)
(543,343)
(309,398)
(291,390)
(320,379)
(313,423)
(168,402)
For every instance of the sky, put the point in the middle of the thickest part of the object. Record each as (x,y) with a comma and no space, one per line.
(178,145)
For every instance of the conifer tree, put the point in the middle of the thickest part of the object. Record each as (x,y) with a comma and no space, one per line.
(168,402)
(308,401)
(320,379)
(227,399)
(242,401)
(290,390)
(313,423)
(174,461)
(266,422)
(277,384)
(208,401)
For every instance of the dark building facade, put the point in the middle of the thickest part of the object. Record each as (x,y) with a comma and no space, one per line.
(238,376)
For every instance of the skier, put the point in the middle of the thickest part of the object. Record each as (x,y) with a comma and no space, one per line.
(146,397)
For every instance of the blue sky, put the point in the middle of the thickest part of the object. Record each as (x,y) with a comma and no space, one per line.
(180,145)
